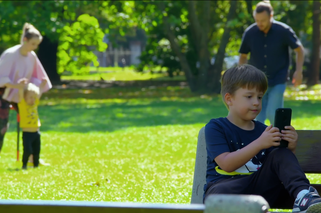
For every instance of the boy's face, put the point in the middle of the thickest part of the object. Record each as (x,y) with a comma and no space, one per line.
(30,97)
(245,103)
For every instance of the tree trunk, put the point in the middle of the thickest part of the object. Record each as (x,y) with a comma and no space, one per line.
(177,50)
(203,52)
(215,70)
(47,54)
(313,74)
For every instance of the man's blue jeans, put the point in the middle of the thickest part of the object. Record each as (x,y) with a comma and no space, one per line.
(272,99)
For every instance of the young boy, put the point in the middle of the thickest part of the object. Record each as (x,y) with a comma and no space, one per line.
(29,122)
(243,155)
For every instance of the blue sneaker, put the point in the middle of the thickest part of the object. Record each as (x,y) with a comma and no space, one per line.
(309,203)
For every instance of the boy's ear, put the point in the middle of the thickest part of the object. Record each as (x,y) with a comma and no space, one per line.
(228,99)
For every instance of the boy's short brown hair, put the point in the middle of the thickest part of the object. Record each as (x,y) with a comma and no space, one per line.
(243,76)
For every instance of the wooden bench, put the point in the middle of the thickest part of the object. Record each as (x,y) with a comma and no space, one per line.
(38,206)
(214,204)
(308,153)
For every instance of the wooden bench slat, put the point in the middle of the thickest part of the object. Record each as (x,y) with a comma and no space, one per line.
(308,150)
(18,206)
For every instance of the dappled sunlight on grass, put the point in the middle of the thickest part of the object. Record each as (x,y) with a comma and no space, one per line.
(74,113)
(136,164)
(303,93)
(121,144)
(121,74)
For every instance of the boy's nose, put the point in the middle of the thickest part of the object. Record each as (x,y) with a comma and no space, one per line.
(256,102)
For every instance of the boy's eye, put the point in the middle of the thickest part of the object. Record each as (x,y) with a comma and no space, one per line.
(249,96)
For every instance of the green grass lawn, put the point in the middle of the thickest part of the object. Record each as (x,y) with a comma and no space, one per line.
(121,74)
(124,145)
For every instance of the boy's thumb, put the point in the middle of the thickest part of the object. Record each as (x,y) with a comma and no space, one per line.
(268,128)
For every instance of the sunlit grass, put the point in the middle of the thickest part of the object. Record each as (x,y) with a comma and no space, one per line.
(134,164)
(122,145)
(120,74)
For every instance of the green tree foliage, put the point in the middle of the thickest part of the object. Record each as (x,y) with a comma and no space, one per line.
(76,42)
(182,35)
(60,21)
(186,35)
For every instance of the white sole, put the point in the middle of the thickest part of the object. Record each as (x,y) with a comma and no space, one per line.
(315,208)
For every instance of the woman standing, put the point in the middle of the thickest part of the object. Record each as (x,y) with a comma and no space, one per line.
(18,66)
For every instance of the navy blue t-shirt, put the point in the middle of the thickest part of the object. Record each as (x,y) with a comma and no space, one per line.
(223,136)
(270,52)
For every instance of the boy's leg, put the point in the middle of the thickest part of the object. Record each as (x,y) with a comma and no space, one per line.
(276,100)
(233,185)
(36,145)
(279,172)
(27,148)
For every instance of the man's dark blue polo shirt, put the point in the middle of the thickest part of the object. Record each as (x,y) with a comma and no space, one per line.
(270,52)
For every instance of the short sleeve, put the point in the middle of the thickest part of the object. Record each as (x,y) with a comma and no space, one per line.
(38,74)
(6,63)
(245,46)
(216,142)
(291,39)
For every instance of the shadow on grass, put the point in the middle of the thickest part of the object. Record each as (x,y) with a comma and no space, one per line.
(14,169)
(108,117)
(114,116)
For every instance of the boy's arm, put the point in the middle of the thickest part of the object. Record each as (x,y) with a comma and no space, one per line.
(230,161)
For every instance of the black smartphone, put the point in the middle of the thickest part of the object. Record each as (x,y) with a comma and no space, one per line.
(283,118)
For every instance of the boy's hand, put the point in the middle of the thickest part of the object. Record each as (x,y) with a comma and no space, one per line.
(290,135)
(270,137)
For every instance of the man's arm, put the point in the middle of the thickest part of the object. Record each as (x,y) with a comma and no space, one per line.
(245,48)
(243,59)
(297,75)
